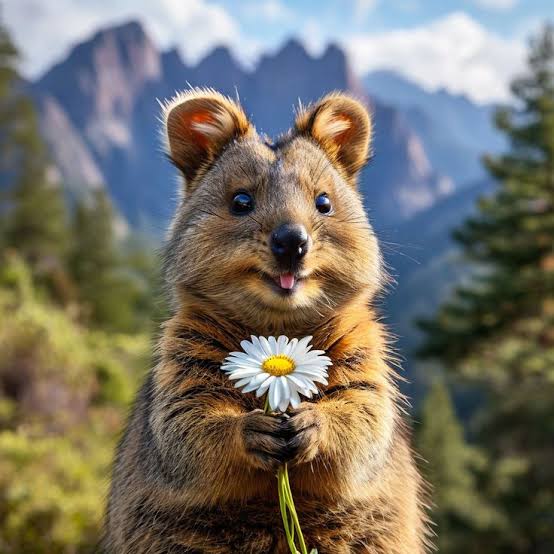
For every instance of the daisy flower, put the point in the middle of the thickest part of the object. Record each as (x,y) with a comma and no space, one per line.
(284,368)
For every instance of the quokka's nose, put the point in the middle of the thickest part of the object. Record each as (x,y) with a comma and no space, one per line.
(289,244)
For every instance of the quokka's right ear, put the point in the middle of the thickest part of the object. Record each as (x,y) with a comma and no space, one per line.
(342,127)
(199,124)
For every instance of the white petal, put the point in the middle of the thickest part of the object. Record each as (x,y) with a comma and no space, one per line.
(274,394)
(262,389)
(266,346)
(294,398)
(290,347)
(309,359)
(312,364)
(311,371)
(244,381)
(273,344)
(238,355)
(262,346)
(251,350)
(256,342)
(290,388)
(242,363)
(303,343)
(309,389)
(300,381)
(228,366)
(233,369)
(284,393)
(313,389)
(255,382)
(243,357)
(282,342)
(244,372)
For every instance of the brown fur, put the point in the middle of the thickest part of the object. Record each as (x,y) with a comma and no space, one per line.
(195,471)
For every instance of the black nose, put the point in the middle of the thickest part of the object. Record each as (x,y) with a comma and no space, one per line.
(289,244)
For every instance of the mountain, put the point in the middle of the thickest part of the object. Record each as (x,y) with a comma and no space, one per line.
(99,88)
(79,171)
(426,264)
(454,131)
(105,94)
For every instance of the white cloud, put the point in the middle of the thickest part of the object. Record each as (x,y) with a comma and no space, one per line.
(195,29)
(499,5)
(313,37)
(44,30)
(271,11)
(362,8)
(454,52)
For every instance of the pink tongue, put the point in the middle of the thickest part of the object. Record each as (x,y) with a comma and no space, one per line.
(286,280)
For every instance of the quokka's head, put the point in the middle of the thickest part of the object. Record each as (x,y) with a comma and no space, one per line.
(271,233)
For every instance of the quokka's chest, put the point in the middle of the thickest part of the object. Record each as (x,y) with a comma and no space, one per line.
(256,526)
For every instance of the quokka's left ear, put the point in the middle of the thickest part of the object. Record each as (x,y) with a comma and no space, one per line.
(342,128)
(199,124)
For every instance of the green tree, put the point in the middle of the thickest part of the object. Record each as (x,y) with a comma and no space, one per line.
(64,396)
(33,207)
(497,331)
(452,467)
(107,288)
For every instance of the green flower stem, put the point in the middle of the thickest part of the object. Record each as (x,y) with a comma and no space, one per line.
(286,505)
(291,525)
(282,503)
(292,509)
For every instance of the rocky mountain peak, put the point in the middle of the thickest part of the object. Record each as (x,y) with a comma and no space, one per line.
(102,76)
(108,86)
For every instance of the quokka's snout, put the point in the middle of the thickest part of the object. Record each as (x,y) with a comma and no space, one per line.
(289,243)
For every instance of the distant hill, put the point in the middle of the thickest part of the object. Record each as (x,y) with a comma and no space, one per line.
(426,264)
(454,131)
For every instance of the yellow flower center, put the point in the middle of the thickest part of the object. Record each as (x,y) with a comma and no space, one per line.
(279,365)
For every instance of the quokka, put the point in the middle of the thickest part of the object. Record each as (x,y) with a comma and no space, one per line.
(269,238)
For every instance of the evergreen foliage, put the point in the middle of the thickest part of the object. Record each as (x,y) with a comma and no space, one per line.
(497,332)
(451,467)
(115,285)
(67,373)
(94,263)
(33,206)
(64,394)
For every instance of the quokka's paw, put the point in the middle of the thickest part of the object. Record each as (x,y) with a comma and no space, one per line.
(265,442)
(304,432)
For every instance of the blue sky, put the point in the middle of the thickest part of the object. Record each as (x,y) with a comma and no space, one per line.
(472,47)
(508,18)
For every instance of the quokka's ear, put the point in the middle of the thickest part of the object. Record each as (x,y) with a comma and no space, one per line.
(342,128)
(199,123)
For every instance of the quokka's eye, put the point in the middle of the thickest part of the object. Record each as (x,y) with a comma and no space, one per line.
(242,203)
(323,204)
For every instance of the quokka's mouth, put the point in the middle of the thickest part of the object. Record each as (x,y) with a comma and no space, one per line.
(285,284)
(287,281)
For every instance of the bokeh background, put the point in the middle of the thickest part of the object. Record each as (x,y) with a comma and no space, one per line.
(460,191)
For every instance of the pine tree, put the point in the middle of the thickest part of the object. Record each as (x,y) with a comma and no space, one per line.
(33,208)
(107,289)
(8,78)
(498,330)
(452,468)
